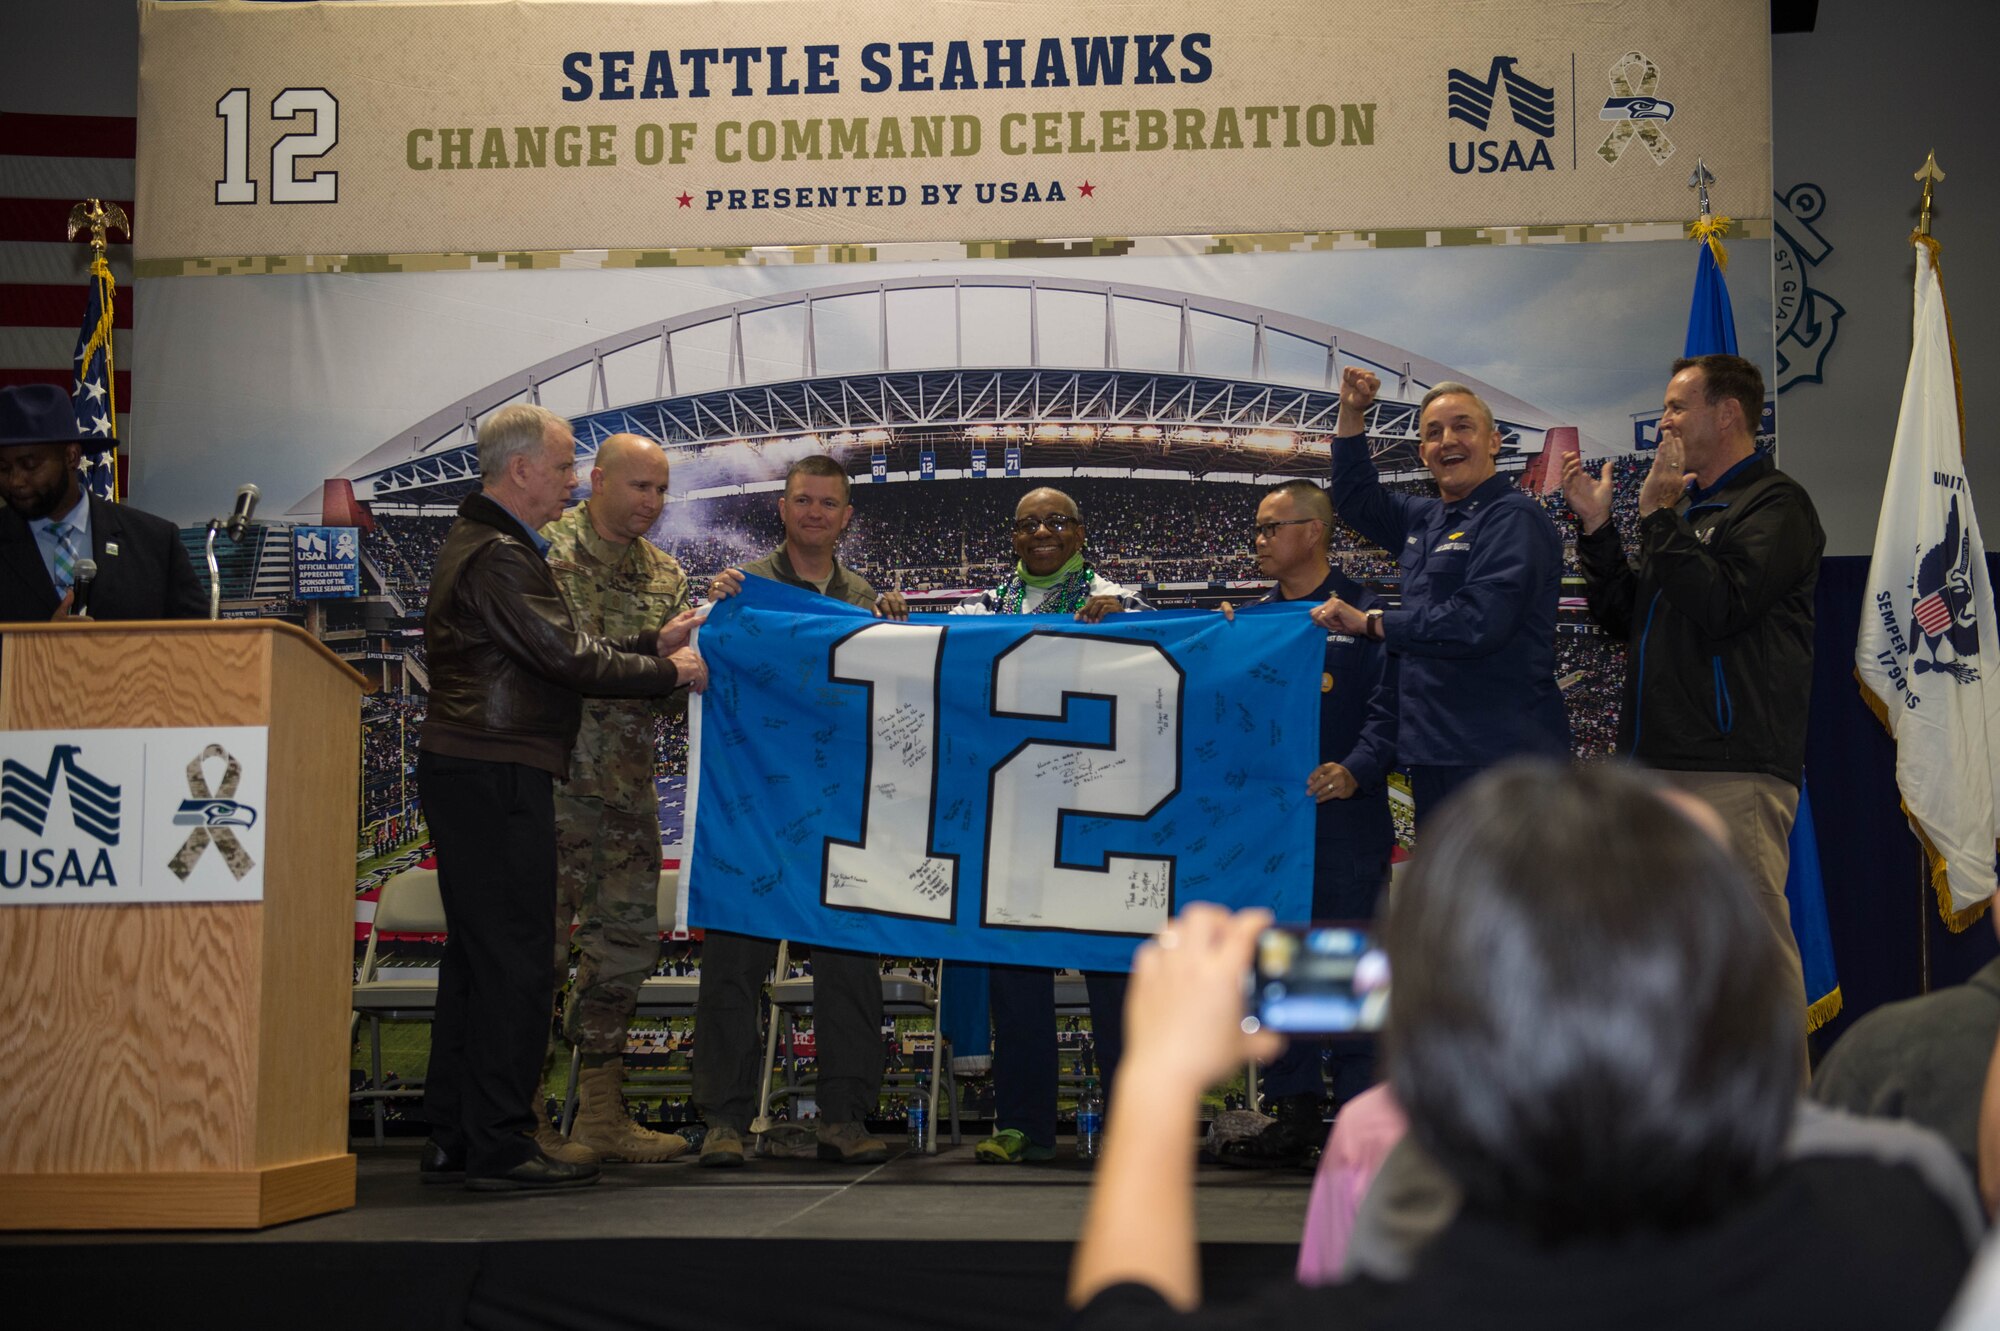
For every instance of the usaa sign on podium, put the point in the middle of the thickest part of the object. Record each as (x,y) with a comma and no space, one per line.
(128,816)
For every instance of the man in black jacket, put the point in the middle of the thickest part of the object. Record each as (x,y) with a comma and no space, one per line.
(507,666)
(48,526)
(1717,616)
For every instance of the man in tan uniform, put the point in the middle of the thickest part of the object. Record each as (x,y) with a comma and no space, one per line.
(847,986)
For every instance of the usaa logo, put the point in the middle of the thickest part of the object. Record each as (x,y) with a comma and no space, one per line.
(1531,106)
(96,809)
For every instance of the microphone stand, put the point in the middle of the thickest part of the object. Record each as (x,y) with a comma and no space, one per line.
(214,572)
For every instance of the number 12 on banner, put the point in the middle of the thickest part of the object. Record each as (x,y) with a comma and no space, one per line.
(237,185)
(891,868)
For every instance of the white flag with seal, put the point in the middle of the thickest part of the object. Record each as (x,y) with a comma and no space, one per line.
(1927,655)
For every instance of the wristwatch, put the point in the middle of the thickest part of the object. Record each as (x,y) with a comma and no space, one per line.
(1375,631)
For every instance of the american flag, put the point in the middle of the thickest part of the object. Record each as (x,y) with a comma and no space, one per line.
(49,163)
(1933,615)
(93,391)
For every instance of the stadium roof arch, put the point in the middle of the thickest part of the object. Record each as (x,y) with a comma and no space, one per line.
(735,391)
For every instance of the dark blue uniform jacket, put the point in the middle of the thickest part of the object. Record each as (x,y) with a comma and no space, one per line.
(1477,628)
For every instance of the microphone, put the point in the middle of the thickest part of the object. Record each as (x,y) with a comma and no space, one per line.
(79,597)
(246,504)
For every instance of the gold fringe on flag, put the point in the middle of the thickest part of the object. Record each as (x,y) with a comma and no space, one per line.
(1712,230)
(100,273)
(1823,1010)
(1958,921)
(97,217)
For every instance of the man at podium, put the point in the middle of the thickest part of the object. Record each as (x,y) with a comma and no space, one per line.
(507,667)
(60,547)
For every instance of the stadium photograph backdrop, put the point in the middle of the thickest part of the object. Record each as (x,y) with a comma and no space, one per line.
(986,250)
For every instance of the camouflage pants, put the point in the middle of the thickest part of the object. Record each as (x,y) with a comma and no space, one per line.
(609,879)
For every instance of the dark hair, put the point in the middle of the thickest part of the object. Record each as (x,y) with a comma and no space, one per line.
(819,464)
(1724,376)
(1589,1027)
(1311,499)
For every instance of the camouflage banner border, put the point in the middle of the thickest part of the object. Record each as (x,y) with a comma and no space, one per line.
(767,256)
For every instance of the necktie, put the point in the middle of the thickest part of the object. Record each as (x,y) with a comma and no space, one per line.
(65,559)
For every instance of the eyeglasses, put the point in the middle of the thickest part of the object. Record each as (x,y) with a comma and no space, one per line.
(1266,530)
(1055,522)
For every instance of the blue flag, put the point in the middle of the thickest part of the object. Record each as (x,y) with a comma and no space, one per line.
(1805,893)
(1711,329)
(1008,788)
(1711,323)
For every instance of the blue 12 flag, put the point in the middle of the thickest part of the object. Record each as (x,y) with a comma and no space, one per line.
(1007,788)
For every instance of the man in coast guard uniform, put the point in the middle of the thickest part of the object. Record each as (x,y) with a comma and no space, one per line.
(1357,746)
(1482,572)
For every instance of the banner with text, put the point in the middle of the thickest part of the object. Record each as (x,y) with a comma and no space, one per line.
(1019,789)
(317,131)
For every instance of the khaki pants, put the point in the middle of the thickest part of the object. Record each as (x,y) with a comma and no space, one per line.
(1759,810)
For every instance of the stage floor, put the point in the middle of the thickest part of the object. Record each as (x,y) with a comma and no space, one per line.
(918,1241)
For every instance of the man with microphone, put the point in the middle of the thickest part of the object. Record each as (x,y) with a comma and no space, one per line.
(62,551)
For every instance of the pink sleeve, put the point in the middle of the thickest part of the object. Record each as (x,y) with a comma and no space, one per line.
(1363,1132)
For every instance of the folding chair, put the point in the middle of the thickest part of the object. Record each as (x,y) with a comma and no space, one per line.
(902,996)
(409,904)
(660,996)
(1072,1000)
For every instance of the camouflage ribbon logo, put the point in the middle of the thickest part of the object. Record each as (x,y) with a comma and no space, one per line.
(208,812)
(1634,80)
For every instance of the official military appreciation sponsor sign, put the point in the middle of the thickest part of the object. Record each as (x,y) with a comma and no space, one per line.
(132,815)
(427,128)
(326,563)
(1008,788)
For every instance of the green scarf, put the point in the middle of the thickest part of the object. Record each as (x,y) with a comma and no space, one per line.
(1042,582)
(1068,588)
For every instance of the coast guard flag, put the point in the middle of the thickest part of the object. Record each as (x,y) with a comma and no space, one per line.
(1712,329)
(1927,651)
(1007,788)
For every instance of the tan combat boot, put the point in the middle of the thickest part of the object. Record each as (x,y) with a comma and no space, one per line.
(554,1144)
(603,1125)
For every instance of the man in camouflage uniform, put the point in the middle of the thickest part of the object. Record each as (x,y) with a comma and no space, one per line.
(607,812)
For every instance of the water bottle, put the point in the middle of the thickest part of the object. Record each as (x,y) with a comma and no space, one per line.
(920,1118)
(1089,1120)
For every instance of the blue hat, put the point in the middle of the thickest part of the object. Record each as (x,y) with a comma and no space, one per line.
(42,414)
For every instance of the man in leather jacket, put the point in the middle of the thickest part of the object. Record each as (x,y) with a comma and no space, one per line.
(1717,616)
(507,667)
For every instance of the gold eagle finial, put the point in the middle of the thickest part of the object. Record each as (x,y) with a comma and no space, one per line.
(97,217)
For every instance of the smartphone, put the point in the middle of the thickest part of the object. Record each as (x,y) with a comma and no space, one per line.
(1318,979)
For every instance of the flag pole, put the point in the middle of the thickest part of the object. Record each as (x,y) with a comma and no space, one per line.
(1708,228)
(1927,175)
(1930,175)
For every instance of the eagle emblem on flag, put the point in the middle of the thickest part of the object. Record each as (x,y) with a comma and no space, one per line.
(1943,613)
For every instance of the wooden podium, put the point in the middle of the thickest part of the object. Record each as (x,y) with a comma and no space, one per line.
(184,1065)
